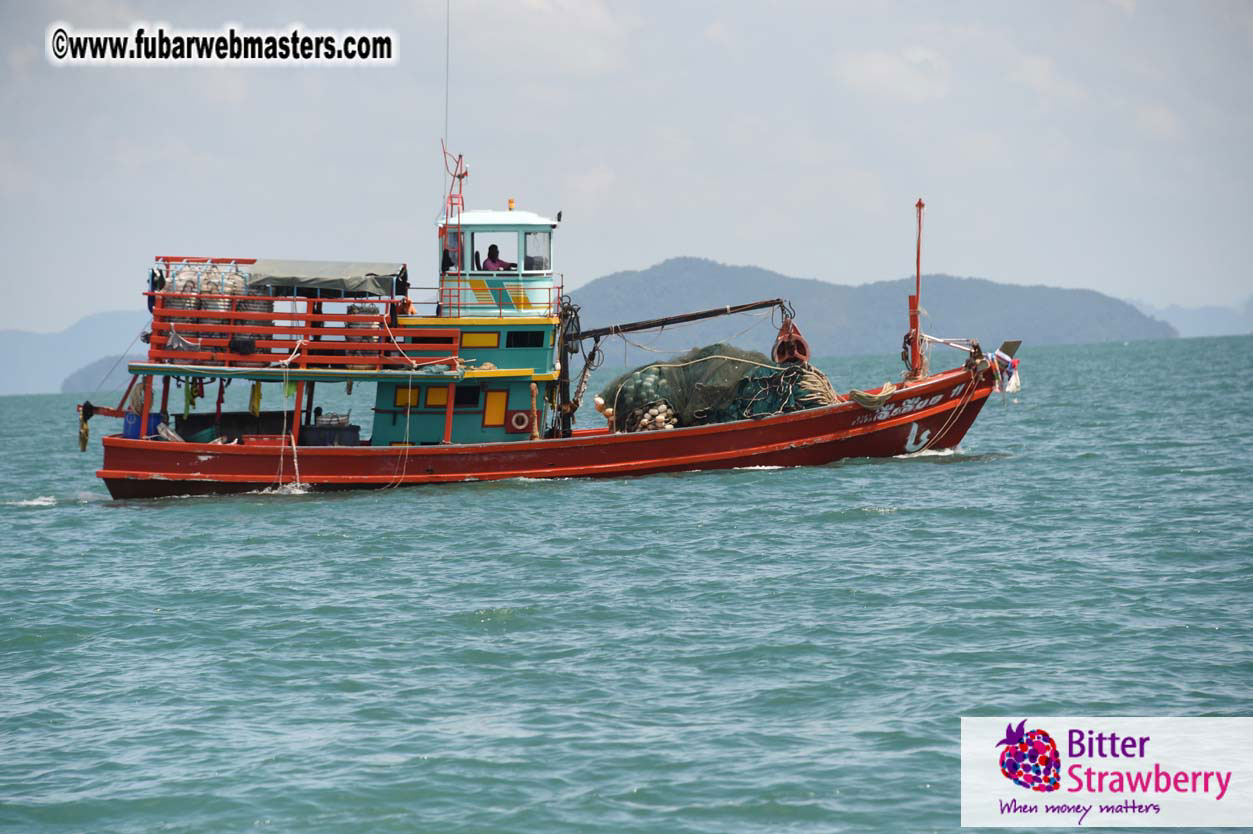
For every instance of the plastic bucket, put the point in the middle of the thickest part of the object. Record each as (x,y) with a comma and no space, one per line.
(130,425)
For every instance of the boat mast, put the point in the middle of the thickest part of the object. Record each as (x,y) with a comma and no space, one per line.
(915,332)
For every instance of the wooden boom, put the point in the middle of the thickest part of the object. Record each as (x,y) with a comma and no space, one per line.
(653,324)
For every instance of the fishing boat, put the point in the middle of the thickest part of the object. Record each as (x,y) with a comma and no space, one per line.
(473,381)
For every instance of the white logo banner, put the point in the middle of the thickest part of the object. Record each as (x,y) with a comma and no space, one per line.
(1059,771)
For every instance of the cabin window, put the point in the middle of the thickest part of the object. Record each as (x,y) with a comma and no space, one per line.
(467,396)
(524,339)
(538,251)
(451,254)
(406,397)
(506,244)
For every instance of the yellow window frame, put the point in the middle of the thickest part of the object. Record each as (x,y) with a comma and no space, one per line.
(406,396)
(480,340)
(436,396)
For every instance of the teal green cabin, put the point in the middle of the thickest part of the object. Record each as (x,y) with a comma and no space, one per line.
(498,303)
(491,401)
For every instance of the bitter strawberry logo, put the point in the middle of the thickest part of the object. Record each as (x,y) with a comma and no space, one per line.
(1030,758)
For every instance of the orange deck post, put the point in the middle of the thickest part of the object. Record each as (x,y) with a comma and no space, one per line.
(452,395)
(295,412)
(143,417)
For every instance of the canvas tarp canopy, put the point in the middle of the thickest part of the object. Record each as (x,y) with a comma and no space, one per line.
(344,276)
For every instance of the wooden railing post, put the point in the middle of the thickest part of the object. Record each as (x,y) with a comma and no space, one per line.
(308,335)
(158,308)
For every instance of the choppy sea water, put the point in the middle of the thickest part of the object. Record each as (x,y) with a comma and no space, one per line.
(751,650)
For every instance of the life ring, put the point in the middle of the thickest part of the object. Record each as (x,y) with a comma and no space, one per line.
(520,421)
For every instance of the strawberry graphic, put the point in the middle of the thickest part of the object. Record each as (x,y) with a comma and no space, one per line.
(1030,758)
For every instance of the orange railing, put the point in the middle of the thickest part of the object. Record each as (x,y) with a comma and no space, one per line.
(299,332)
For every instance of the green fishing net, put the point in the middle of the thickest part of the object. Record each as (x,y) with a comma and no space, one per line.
(713,384)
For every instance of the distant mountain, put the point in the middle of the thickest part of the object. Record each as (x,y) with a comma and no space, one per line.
(38,362)
(842,320)
(108,374)
(1203,321)
(837,320)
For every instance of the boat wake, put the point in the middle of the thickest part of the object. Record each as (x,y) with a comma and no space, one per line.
(41,501)
(951,456)
(933,453)
(285,489)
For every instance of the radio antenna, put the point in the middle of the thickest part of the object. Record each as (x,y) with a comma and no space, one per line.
(447,64)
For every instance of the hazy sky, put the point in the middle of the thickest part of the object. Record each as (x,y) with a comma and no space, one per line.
(1096,144)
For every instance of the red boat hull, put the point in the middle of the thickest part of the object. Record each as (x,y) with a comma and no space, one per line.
(932,413)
